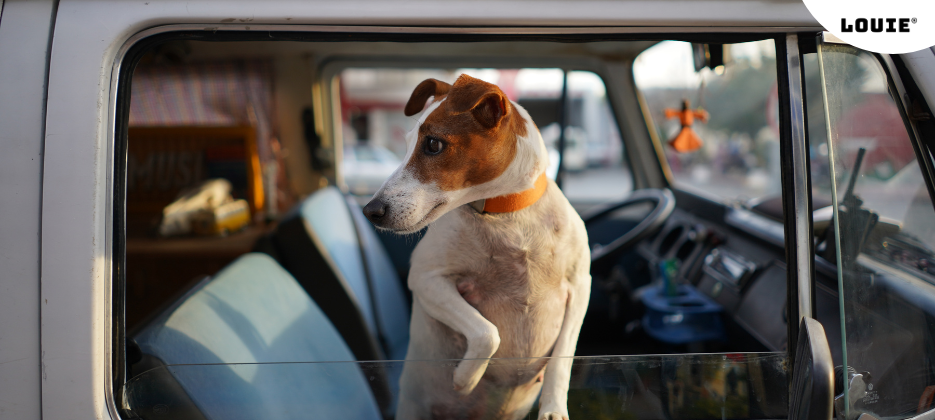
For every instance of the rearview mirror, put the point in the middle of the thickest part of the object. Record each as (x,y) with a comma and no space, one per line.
(710,55)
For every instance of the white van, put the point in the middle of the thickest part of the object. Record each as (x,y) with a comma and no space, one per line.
(800,235)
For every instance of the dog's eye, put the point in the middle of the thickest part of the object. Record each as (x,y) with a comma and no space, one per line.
(433,146)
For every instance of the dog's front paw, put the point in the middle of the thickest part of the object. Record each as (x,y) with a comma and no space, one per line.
(480,347)
(552,412)
(553,415)
(468,374)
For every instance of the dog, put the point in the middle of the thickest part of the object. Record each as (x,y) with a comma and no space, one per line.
(503,270)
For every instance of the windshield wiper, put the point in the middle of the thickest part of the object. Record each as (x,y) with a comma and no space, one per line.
(855,219)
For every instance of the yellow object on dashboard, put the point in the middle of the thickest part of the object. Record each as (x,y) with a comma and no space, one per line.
(221,220)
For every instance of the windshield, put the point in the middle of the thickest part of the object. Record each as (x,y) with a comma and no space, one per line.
(689,387)
(735,116)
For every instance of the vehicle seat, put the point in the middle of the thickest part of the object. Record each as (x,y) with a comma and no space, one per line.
(335,254)
(390,303)
(231,344)
(317,243)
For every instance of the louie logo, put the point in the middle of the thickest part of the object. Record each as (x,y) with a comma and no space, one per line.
(876,25)
(889,27)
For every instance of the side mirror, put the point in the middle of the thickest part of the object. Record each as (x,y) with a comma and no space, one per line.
(813,377)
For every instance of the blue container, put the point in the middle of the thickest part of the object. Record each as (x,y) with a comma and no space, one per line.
(687,317)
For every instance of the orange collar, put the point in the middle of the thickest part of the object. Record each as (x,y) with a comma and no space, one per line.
(513,202)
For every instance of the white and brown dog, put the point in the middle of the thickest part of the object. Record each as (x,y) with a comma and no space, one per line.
(503,270)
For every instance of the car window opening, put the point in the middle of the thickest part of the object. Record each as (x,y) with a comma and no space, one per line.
(249,261)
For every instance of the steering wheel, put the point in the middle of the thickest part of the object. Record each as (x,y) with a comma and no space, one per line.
(604,255)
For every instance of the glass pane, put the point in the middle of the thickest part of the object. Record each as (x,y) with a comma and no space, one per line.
(882,241)
(678,387)
(738,159)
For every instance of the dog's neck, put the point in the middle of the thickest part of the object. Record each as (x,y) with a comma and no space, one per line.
(512,202)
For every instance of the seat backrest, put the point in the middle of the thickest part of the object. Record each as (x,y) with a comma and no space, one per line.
(238,336)
(390,303)
(328,219)
(338,245)
(317,243)
(320,244)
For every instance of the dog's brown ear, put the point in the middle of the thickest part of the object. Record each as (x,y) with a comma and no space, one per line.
(428,87)
(486,101)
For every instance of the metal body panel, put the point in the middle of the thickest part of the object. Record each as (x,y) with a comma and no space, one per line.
(464,13)
(24,38)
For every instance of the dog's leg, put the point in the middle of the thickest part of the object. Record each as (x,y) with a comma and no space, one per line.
(440,299)
(554,400)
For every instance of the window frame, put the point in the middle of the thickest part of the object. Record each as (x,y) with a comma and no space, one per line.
(796,183)
(642,151)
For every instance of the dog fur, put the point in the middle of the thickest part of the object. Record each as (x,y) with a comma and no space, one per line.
(509,286)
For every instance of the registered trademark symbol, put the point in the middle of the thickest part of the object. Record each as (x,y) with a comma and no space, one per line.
(914,20)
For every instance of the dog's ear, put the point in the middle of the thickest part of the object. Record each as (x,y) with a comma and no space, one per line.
(486,101)
(428,87)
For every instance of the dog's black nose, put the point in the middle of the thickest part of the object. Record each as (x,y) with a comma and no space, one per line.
(375,210)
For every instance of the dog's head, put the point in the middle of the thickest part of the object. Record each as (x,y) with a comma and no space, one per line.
(470,143)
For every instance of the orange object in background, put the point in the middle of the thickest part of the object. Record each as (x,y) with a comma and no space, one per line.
(686,140)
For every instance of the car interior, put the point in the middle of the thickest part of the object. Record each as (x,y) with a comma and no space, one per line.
(303,306)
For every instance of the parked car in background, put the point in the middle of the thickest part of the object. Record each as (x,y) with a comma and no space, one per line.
(366,167)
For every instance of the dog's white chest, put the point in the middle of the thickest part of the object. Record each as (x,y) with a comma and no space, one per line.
(512,270)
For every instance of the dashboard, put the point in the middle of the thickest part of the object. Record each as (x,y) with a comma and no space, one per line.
(736,257)
(730,255)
